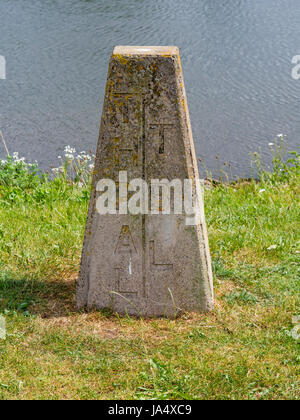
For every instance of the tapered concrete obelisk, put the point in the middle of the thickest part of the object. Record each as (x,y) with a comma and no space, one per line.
(145,264)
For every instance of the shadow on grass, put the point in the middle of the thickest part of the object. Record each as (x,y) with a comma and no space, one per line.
(48,299)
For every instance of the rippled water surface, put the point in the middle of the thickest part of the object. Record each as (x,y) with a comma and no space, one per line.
(236,58)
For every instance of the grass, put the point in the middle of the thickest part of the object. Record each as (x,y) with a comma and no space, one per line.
(243,350)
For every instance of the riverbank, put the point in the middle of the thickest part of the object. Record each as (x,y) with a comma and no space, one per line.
(244,349)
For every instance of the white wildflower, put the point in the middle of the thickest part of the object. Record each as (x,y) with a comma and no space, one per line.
(272,247)
(271,144)
(69,156)
(17,159)
(261,191)
(70,150)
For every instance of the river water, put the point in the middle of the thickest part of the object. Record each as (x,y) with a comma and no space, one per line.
(236,58)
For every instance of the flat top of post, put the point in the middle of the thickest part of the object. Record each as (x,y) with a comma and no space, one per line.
(129,50)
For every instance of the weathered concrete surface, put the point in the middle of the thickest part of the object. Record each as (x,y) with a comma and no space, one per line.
(151,265)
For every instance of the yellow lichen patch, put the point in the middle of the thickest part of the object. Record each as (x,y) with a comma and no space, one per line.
(121,58)
(135,159)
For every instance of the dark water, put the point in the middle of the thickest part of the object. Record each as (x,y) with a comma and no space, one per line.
(236,58)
